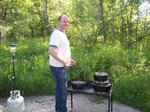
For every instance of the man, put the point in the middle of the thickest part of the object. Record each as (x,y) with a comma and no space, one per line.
(60,60)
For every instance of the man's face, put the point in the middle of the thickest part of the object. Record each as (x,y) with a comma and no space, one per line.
(64,23)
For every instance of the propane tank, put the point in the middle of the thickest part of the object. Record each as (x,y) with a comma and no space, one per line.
(1,108)
(15,102)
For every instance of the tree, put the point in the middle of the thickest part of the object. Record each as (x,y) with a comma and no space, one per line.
(102,23)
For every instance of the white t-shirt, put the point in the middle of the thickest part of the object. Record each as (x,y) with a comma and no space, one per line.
(60,40)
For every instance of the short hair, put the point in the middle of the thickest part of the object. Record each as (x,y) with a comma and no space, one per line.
(59,18)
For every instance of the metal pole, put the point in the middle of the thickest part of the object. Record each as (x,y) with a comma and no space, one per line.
(111,102)
(13,75)
(71,101)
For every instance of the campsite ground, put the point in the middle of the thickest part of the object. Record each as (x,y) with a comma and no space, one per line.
(81,103)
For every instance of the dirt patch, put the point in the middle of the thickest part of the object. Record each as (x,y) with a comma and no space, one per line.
(81,103)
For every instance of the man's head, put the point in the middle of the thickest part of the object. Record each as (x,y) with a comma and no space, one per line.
(63,22)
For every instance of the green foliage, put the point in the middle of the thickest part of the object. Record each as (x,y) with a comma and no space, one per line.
(125,54)
(129,72)
(36,18)
(128,69)
(4,69)
(84,68)
(109,56)
(31,68)
(145,50)
(133,90)
(33,64)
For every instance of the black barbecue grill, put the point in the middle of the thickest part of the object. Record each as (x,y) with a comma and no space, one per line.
(100,86)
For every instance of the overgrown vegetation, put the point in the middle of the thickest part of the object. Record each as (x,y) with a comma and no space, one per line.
(32,68)
(105,35)
(128,69)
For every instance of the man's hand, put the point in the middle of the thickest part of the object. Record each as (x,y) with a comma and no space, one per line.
(72,62)
(66,65)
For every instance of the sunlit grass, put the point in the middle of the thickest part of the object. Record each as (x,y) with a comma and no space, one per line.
(33,75)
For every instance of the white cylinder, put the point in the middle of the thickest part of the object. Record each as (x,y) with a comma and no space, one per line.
(15,102)
(1,109)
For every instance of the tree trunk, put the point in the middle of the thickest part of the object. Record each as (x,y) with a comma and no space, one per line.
(49,28)
(102,23)
(137,24)
(3,12)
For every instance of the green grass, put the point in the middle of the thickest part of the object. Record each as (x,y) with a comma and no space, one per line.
(128,70)
(134,91)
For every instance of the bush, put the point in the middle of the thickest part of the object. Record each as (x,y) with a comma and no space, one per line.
(133,90)
(128,69)
(31,68)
